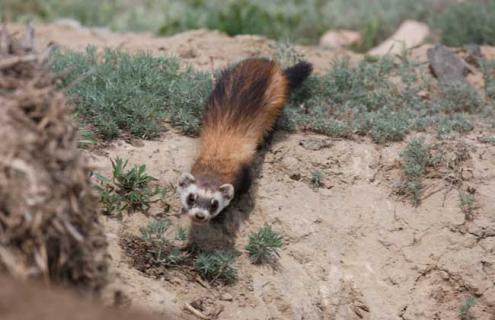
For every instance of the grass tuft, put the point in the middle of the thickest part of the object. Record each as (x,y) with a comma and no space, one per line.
(127,189)
(415,159)
(263,245)
(161,252)
(467,204)
(465,309)
(488,69)
(317,179)
(217,265)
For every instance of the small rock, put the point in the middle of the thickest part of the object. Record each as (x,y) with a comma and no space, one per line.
(226,297)
(339,39)
(446,66)
(409,34)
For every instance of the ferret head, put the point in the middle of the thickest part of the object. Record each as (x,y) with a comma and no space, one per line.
(203,204)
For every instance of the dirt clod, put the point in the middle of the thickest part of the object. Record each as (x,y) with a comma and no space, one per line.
(48,219)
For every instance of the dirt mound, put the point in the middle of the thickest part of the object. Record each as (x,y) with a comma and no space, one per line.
(48,225)
(54,304)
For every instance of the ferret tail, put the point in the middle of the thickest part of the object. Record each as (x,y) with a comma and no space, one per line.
(297,74)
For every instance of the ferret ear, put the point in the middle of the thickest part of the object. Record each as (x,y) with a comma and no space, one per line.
(185,180)
(227,191)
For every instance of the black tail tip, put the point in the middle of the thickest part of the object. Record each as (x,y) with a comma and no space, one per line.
(298,73)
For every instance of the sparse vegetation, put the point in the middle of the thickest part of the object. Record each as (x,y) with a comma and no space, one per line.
(467,204)
(127,189)
(132,93)
(216,265)
(465,310)
(467,22)
(86,138)
(136,93)
(415,158)
(286,54)
(317,179)
(161,252)
(488,69)
(263,245)
(362,100)
(181,233)
(488,140)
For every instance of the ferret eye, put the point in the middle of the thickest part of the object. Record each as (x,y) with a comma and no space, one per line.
(190,199)
(214,205)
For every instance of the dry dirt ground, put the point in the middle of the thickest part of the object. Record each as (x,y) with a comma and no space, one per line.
(352,249)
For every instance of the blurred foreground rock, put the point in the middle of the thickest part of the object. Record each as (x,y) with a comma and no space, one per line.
(409,35)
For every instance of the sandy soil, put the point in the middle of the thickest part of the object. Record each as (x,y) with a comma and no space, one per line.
(352,249)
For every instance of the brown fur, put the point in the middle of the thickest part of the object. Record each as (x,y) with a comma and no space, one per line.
(242,109)
(28,301)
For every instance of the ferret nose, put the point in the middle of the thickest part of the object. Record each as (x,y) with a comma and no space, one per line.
(200,215)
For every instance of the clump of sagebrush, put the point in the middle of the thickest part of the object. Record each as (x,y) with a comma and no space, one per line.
(488,69)
(465,309)
(363,99)
(467,204)
(415,159)
(453,123)
(467,22)
(460,97)
(132,93)
(161,250)
(286,53)
(127,189)
(317,179)
(216,265)
(488,140)
(263,245)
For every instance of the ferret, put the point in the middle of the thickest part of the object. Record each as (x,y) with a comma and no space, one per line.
(238,116)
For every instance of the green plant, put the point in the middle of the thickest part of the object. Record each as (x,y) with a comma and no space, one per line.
(127,189)
(415,159)
(460,97)
(160,249)
(119,92)
(488,140)
(131,93)
(488,69)
(454,123)
(317,179)
(181,233)
(155,230)
(286,54)
(467,204)
(216,265)
(86,138)
(467,22)
(465,309)
(263,245)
